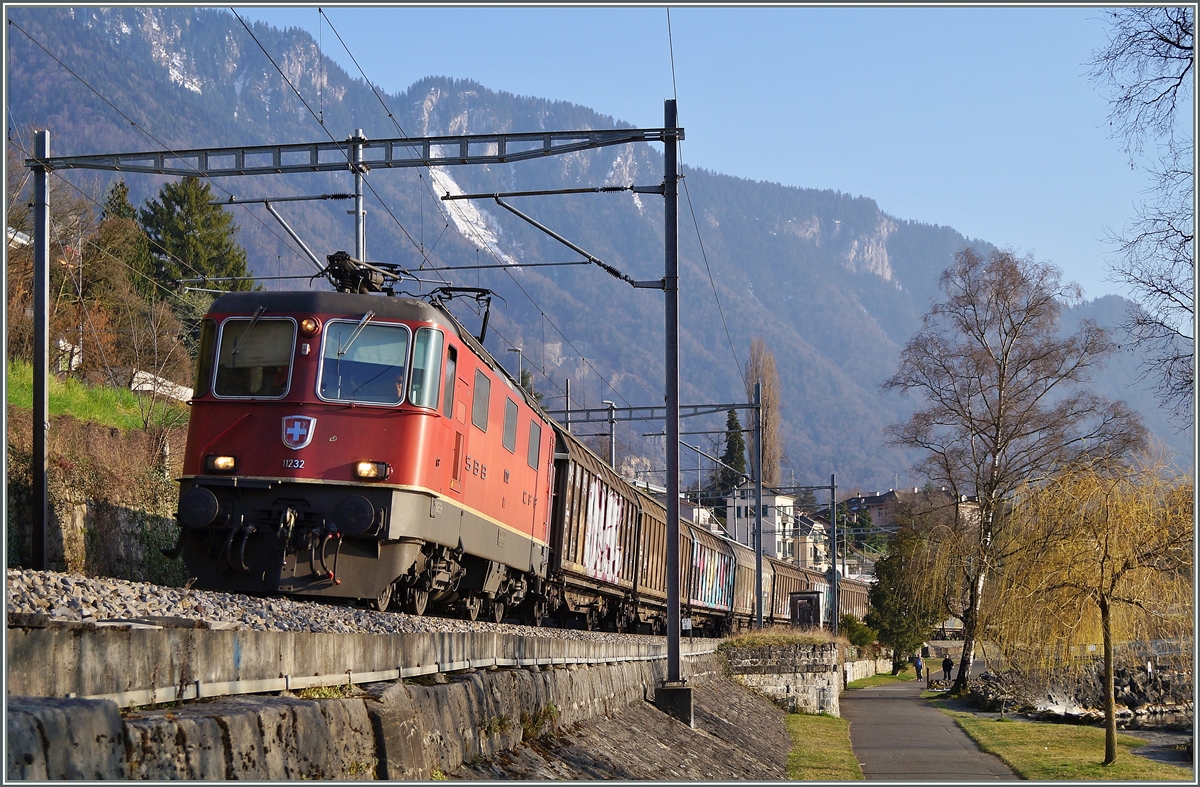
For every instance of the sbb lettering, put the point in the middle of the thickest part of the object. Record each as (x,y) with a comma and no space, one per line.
(473,467)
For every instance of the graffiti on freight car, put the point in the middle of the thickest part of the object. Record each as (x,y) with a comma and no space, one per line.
(602,546)
(711,586)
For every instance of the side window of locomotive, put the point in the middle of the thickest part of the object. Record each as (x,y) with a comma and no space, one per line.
(535,443)
(426,368)
(255,357)
(510,426)
(204,357)
(364,363)
(479,404)
(448,385)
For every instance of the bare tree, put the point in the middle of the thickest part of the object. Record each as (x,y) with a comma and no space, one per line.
(1147,70)
(1002,402)
(760,368)
(1103,551)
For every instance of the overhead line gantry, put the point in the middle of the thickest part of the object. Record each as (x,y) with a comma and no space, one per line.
(359,155)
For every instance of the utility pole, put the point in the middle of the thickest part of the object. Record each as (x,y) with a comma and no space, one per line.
(758,453)
(360,215)
(673,697)
(41,352)
(568,407)
(612,433)
(833,548)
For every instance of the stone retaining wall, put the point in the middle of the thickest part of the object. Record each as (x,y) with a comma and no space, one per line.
(401,730)
(798,678)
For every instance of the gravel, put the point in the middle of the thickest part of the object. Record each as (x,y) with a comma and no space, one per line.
(73,598)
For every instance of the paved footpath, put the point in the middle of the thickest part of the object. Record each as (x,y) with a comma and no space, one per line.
(898,736)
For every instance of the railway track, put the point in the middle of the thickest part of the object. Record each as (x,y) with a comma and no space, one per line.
(41,598)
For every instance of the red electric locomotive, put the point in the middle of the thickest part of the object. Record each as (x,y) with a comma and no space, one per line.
(351,446)
(354,446)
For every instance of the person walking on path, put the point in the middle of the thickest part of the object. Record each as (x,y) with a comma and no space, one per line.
(920,665)
(947,665)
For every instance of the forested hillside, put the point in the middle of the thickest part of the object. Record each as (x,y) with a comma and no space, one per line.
(833,284)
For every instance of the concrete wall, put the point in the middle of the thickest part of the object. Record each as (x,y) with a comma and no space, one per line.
(864,668)
(800,678)
(401,730)
(142,666)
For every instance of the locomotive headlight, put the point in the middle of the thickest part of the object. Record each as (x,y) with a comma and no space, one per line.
(309,326)
(372,471)
(216,463)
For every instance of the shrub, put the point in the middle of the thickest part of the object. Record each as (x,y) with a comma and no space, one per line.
(859,634)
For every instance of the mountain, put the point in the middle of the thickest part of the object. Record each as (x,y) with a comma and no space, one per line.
(834,285)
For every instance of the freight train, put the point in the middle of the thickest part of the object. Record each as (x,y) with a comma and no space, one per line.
(365,447)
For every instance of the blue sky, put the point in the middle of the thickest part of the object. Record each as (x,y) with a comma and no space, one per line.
(982,119)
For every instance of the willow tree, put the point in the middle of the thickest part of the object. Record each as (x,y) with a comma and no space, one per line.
(1003,401)
(1103,552)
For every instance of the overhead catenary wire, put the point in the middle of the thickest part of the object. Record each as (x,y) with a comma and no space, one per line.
(140,129)
(695,222)
(477,240)
(320,122)
(185,266)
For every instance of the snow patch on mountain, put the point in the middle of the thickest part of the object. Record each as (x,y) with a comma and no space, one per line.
(472,223)
(163,48)
(623,172)
(868,253)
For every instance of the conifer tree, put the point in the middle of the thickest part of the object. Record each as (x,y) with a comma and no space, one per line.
(727,476)
(190,237)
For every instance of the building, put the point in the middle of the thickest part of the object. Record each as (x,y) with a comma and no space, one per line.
(788,533)
(883,508)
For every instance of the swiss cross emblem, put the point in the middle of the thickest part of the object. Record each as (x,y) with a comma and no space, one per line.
(298,431)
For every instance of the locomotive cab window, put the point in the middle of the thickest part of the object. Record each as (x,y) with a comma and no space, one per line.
(255,357)
(426,368)
(363,362)
(204,357)
(510,426)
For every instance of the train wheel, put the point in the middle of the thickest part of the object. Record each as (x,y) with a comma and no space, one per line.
(496,611)
(590,619)
(471,607)
(415,601)
(536,611)
(381,602)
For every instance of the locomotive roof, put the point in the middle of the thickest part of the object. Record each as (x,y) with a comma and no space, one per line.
(326,303)
(354,305)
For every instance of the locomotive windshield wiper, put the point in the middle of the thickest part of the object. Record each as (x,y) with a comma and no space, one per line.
(253,321)
(343,349)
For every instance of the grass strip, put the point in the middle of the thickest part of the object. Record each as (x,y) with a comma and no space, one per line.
(882,679)
(104,405)
(821,749)
(1044,751)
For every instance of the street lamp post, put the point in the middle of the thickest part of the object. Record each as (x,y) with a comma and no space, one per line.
(520,366)
(612,433)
